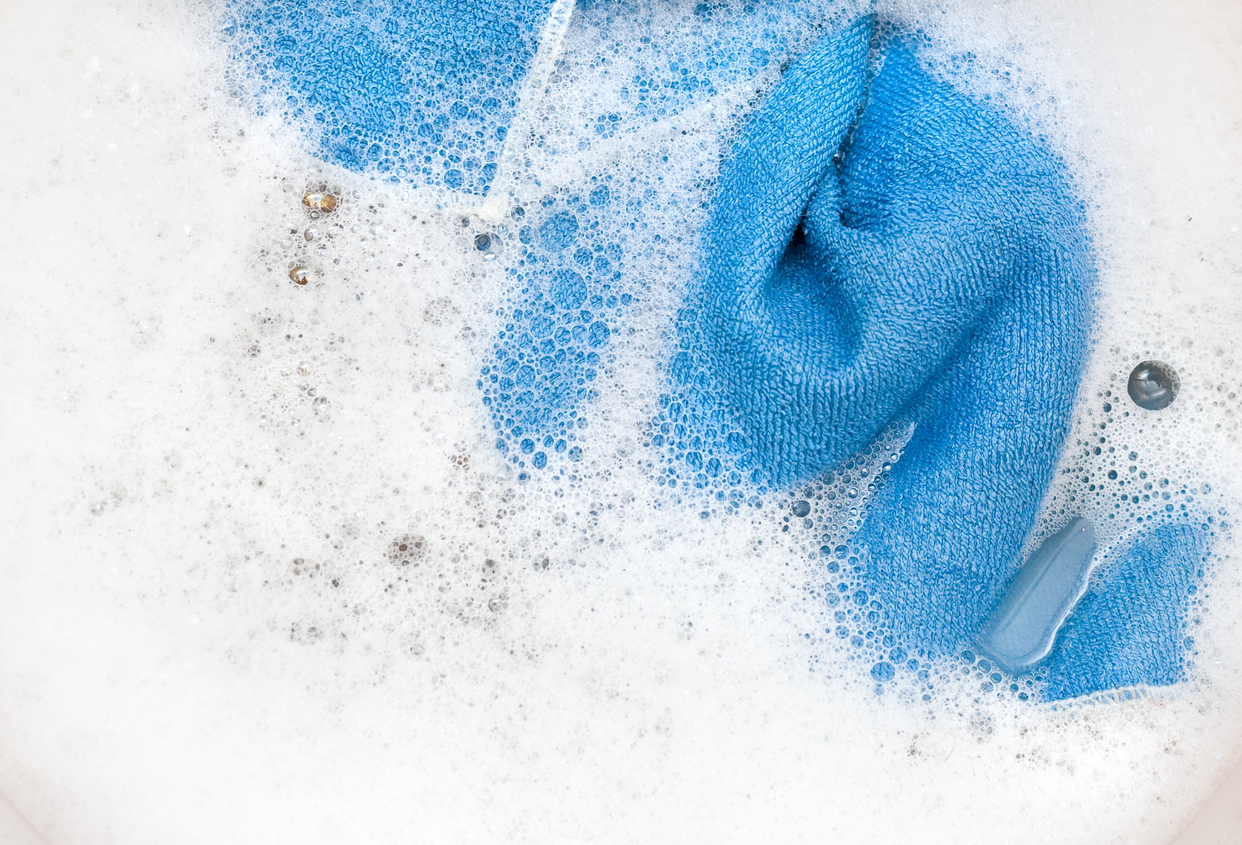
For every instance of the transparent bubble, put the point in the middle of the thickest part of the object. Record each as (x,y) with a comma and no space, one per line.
(1153,385)
(801,508)
(299,275)
(883,671)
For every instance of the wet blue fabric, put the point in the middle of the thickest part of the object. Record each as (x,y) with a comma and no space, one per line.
(1132,626)
(882,249)
(416,90)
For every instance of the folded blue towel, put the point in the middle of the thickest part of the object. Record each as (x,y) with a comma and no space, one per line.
(884,249)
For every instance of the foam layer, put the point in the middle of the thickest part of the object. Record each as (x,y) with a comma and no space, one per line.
(207,602)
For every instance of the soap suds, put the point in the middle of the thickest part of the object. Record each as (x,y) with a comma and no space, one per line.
(208,605)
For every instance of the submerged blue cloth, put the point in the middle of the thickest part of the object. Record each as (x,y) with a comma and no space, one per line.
(884,250)
(416,90)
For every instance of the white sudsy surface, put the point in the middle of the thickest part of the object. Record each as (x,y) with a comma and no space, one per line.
(202,637)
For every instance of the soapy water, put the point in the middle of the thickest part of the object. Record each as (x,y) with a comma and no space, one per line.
(346,420)
(771,382)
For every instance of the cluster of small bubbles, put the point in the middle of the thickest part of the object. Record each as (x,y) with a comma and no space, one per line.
(285,355)
(975,668)
(556,328)
(322,228)
(440,311)
(435,591)
(407,550)
(914,676)
(1114,477)
(420,585)
(659,82)
(693,451)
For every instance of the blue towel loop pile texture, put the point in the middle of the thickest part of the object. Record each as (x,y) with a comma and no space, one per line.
(884,250)
(417,91)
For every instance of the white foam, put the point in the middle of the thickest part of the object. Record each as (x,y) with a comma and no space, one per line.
(203,635)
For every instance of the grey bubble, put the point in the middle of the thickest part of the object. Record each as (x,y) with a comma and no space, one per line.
(1153,385)
(407,549)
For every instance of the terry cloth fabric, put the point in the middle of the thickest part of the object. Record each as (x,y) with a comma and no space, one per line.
(882,251)
(420,91)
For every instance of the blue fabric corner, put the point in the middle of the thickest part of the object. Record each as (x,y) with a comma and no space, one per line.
(417,91)
(1131,628)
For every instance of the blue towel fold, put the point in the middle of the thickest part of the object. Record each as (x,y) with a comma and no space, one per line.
(884,249)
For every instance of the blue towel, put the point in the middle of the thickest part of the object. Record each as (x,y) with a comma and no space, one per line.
(882,252)
(884,249)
